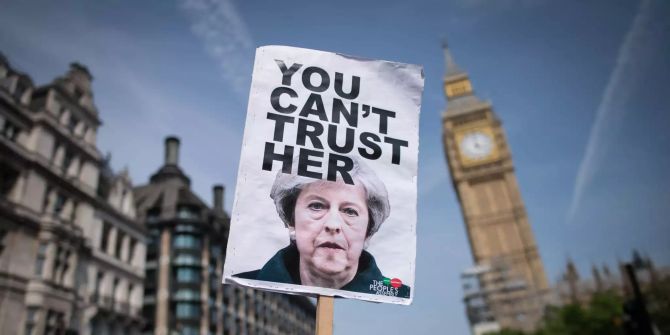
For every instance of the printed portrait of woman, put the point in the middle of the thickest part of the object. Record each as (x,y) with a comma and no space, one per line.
(329,224)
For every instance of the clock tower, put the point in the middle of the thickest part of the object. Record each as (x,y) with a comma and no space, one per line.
(510,272)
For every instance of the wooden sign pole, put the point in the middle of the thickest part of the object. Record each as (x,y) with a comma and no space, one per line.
(324,315)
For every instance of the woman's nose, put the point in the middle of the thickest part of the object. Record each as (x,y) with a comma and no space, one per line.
(333,222)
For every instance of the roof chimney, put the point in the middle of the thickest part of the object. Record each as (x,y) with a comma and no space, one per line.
(172,150)
(217,202)
(80,76)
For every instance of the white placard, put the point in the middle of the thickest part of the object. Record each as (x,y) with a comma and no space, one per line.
(326,193)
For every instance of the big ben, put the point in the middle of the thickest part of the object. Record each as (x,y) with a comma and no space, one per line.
(499,233)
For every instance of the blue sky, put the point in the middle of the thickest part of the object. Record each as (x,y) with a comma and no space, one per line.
(582,88)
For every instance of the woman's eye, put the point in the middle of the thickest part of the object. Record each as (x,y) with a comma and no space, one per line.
(316,206)
(350,212)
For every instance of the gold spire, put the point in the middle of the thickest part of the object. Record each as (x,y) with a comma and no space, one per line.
(456,82)
(450,65)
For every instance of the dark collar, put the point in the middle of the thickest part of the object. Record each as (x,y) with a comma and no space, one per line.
(283,268)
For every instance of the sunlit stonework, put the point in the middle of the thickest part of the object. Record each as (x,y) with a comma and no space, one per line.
(506,288)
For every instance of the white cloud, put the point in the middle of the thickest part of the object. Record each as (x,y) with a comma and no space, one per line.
(611,109)
(226,37)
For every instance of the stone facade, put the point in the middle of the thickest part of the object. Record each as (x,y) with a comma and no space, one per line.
(573,288)
(71,251)
(187,245)
(499,232)
(77,240)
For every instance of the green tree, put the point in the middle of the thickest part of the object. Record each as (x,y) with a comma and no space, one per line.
(506,332)
(601,316)
(658,304)
(605,313)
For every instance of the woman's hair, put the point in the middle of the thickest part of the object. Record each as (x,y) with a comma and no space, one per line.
(287,187)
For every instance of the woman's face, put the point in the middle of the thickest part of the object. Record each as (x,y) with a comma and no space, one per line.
(331,219)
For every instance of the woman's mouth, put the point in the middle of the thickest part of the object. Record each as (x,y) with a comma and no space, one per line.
(330,245)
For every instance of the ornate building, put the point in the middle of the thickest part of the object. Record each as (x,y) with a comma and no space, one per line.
(509,268)
(71,251)
(74,234)
(183,290)
(573,288)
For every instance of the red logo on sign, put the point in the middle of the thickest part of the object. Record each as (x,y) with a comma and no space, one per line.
(395,282)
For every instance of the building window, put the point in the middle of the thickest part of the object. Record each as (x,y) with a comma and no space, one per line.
(8,178)
(214,282)
(153,215)
(98,286)
(187,212)
(55,323)
(149,295)
(131,250)
(119,244)
(215,250)
(152,244)
(115,285)
(186,241)
(21,88)
(104,238)
(185,228)
(213,317)
(72,123)
(67,160)
(187,294)
(55,151)
(3,234)
(149,313)
(150,278)
(61,264)
(131,288)
(59,204)
(9,130)
(31,320)
(47,200)
(5,82)
(226,295)
(188,311)
(41,257)
(188,275)
(187,260)
(73,215)
(65,267)
(189,330)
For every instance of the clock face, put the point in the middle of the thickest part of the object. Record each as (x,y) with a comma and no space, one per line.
(476,145)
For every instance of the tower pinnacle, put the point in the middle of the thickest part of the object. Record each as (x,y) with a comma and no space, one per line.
(487,173)
(450,64)
(457,86)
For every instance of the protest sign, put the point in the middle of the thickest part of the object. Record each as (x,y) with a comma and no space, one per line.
(325,202)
